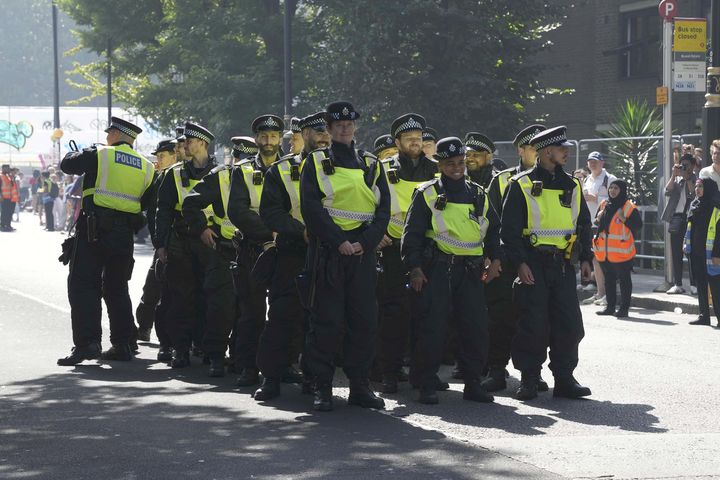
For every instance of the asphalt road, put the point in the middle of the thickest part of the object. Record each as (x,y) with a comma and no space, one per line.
(653,413)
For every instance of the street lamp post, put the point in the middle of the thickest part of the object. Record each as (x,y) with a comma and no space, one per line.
(711,112)
(56,90)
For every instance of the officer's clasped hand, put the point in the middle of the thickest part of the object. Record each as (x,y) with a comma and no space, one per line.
(417,279)
(208,237)
(525,274)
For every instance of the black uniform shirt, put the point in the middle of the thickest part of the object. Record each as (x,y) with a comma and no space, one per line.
(167,198)
(317,219)
(422,172)
(85,162)
(493,191)
(419,220)
(275,206)
(514,216)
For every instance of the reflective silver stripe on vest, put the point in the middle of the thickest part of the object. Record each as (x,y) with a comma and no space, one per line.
(288,182)
(534,212)
(440,222)
(361,217)
(456,243)
(551,233)
(254,200)
(327,188)
(397,221)
(121,196)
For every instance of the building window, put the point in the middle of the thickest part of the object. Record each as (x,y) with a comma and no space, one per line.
(642,52)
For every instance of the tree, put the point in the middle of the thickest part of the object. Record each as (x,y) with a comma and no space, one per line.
(464,64)
(637,159)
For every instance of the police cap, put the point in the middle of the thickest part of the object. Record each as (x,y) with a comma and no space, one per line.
(479,142)
(193,130)
(552,136)
(267,122)
(526,134)
(406,123)
(167,145)
(449,147)
(340,111)
(383,142)
(123,126)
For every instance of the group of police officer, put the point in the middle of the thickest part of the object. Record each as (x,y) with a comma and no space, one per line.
(334,256)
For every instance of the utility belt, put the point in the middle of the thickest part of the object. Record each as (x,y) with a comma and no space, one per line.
(549,254)
(108,220)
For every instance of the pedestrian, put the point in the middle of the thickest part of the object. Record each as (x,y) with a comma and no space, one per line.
(58,208)
(595,191)
(713,170)
(701,247)
(36,203)
(345,203)
(404,171)
(680,191)
(545,231)
(178,249)
(115,185)
(280,211)
(503,313)
(449,232)
(24,183)
(255,239)
(619,222)
(10,196)
(49,192)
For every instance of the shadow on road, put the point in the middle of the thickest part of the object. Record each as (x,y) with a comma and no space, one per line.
(70,426)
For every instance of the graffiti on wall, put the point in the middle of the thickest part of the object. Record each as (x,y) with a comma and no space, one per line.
(15,134)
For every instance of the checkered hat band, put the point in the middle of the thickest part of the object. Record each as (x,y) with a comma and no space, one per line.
(478,144)
(526,139)
(196,134)
(315,122)
(410,124)
(245,149)
(336,116)
(550,141)
(124,129)
(270,122)
(444,155)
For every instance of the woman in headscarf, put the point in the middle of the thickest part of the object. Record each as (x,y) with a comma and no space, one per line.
(701,247)
(618,222)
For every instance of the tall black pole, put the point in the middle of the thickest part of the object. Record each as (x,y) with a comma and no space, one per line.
(56,67)
(711,112)
(109,82)
(287,30)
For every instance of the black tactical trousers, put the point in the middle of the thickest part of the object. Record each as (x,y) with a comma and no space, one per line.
(451,285)
(286,317)
(503,318)
(153,306)
(252,307)
(394,315)
(101,270)
(344,316)
(549,315)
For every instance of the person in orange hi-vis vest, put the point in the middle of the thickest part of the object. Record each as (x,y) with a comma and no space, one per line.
(10,197)
(614,244)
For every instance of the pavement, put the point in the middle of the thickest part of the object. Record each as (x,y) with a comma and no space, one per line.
(653,413)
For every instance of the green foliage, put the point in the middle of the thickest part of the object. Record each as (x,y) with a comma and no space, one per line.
(464,64)
(637,159)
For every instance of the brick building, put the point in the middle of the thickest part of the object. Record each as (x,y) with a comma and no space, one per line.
(608,51)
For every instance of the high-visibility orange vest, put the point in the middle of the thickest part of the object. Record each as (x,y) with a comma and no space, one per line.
(617,245)
(9,188)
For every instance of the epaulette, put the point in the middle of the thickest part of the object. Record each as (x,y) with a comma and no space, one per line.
(424,186)
(246,161)
(479,188)
(507,170)
(289,156)
(219,168)
(517,177)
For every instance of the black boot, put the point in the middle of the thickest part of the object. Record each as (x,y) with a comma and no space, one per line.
(248,377)
(323,401)
(217,366)
(542,384)
(528,386)
(606,311)
(440,386)
(457,373)
(90,351)
(290,375)
(269,389)
(180,359)
(389,384)
(568,387)
(164,354)
(475,392)
(428,396)
(623,313)
(495,380)
(119,353)
(363,396)
(701,320)
(143,334)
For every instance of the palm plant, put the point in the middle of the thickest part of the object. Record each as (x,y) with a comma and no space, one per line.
(636,160)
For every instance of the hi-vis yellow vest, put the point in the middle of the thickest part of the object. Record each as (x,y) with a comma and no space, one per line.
(503,179)
(456,229)
(713,270)
(292,186)
(254,180)
(401,192)
(549,222)
(184,191)
(348,200)
(227,229)
(123,175)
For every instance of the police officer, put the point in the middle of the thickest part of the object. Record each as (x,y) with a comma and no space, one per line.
(115,190)
(498,293)
(384,147)
(151,310)
(178,249)
(479,158)
(280,210)
(449,231)
(430,137)
(180,145)
(404,172)
(545,228)
(296,137)
(243,148)
(256,238)
(346,206)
